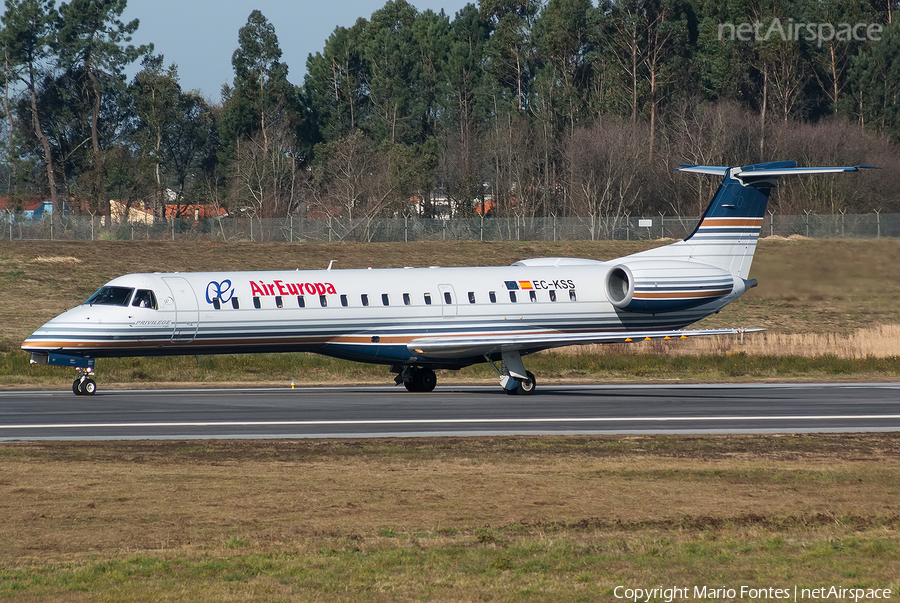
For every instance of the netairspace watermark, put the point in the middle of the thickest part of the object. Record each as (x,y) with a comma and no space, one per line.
(793,31)
(677,593)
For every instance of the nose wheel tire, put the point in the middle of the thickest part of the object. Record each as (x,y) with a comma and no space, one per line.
(84,387)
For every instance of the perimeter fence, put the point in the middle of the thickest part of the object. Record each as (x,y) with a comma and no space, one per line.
(411,229)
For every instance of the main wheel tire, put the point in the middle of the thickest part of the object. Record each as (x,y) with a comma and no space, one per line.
(427,380)
(76,387)
(88,387)
(421,380)
(415,380)
(527,386)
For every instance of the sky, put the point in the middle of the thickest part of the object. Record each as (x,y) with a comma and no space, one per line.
(200,36)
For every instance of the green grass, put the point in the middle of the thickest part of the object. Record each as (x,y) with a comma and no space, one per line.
(305,369)
(552,563)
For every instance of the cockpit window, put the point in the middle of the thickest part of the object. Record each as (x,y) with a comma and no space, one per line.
(144,298)
(111,296)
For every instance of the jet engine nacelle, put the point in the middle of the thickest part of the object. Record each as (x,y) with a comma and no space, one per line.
(668,286)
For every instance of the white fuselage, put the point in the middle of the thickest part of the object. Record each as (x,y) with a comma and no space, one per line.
(366,315)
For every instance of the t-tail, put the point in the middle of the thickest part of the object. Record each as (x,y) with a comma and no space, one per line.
(727,233)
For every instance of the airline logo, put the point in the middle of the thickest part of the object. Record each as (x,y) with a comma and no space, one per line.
(539,284)
(278,287)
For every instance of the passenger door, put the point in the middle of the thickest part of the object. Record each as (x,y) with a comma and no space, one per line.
(187,311)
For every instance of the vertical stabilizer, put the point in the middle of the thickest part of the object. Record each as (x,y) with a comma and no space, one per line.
(727,233)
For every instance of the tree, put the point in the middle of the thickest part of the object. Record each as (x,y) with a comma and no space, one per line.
(155,93)
(262,99)
(92,37)
(561,36)
(461,154)
(28,37)
(389,53)
(874,82)
(509,54)
(176,129)
(334,83)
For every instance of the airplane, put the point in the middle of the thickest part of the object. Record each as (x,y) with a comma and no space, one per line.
(417,320)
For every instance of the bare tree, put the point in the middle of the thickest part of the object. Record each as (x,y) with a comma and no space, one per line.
(266,179)
(603,184)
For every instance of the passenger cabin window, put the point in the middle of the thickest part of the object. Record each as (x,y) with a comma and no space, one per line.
(323,301)
(279,302)
(301,301)
(533,295)
(512,296)
(365,299)
(145,298)
(344,301)
(235,303)
(111,296)
(572,295)
(552,295)
(448,298)
(493,296)
(428,299)
(217,303)
(406,299)
(385,299)
(471,297)
(257,303)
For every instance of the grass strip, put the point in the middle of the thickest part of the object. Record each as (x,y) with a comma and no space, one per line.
(550,367)
(500,519)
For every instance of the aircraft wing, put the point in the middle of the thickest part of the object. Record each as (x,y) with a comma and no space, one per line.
(464,345)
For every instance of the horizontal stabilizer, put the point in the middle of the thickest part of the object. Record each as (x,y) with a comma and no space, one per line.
(715,170)
(760,170)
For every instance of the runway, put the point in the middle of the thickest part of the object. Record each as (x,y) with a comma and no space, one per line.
(329,412)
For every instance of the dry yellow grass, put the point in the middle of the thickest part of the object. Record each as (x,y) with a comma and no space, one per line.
(882,341)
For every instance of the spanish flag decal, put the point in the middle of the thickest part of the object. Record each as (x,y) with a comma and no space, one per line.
(525,285)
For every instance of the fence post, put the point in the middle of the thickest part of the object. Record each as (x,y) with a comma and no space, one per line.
(406,229)
(806,211)
(842,223)
(662,225)
(291,223)
(877,224)
(771,223)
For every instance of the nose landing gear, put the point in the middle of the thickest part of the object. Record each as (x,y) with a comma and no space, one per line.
(84,385)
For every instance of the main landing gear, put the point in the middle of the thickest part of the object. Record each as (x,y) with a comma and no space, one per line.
(513,376)
(415,378)
(84,385)
(514,379)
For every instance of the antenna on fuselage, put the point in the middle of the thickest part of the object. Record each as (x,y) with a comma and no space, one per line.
(330,264)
